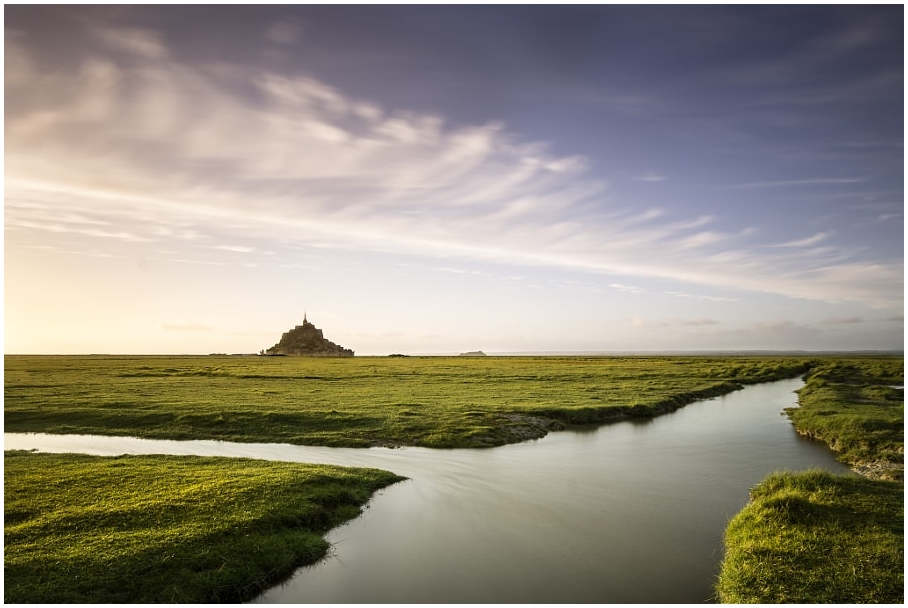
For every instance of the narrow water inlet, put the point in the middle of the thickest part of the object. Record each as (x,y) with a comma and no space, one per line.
(628,512)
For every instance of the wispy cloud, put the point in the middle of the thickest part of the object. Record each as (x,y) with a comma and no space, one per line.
(626,288)
(674,322)
(283,33)
(203,262)
(806,242)
(681,294)
(462,271)
(651,176)
(143,42)
(694,322)
(877,86)
(800,182)
(236,248)
(73,228)
(815,53)
(842,320)
(150,149)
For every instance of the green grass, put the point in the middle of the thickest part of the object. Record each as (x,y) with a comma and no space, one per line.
(363,401)
(817,538)
(806,537)
(812,537)
(154,529)
(851,405)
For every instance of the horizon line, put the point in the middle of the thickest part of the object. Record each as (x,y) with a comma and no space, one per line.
(528,353)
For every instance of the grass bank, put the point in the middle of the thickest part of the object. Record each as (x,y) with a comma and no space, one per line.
(154,529)
(440,402)
(816,538)
(852,405)
(812,537)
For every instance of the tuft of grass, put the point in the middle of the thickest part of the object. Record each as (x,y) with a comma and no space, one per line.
(155,529)
(813,537)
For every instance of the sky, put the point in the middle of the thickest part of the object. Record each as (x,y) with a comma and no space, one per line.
(440,179)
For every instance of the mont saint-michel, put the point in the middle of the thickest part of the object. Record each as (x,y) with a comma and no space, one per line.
(307,340)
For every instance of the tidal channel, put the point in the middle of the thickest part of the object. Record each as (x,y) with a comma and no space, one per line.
(628,512)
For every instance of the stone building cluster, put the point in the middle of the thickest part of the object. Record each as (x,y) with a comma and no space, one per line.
(307,340)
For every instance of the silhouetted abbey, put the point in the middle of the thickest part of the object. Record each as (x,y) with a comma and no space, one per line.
(307,340)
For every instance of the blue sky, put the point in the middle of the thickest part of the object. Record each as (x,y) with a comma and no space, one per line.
(436,179)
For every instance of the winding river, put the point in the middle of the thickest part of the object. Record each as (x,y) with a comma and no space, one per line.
(629,512)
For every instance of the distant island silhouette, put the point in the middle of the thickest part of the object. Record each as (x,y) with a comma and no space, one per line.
(473,353)
(307,340)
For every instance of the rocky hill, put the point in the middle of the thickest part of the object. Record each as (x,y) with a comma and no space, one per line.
(307,340)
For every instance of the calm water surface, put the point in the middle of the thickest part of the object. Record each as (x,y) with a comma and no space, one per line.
(627,512)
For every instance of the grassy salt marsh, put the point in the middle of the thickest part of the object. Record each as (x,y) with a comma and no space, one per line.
(433,402)
(92,529)
(811,537)
(153,529)
(854,406)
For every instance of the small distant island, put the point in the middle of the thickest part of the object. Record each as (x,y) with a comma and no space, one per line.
(473,353)
(307,340)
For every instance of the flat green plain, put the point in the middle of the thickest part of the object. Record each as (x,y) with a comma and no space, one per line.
(440,402)
(91,529)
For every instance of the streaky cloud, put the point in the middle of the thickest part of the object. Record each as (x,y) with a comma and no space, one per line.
(800,182)
(236,248)
(806,242)
(651,176)
(159,150)
(143,42)
(842,321)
